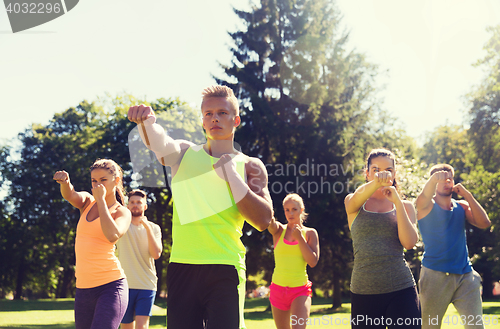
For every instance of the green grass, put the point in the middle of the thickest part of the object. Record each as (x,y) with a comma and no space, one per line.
(58,314)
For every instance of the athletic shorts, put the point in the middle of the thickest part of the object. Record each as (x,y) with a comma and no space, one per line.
(282,297)
(205,296)
(140,302)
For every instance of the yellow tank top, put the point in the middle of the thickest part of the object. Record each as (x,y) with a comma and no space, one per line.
(290,265)
(96,263)
(207,225)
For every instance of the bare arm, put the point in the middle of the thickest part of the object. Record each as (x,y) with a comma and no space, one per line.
(274,226)
(253,199)
(77,199)
(405,216)
(407,227)
(168,151)
(354,201)
(154,240)
(474,212)
(256,206)
(113,225)
(309,245)
(424,200)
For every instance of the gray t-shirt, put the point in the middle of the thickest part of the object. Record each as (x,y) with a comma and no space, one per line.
(379,264)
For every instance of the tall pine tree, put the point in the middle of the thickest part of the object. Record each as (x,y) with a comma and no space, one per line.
(305,107)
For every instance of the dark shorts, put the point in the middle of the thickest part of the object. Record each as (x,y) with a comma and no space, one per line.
(140,302)
(398,309)
(202,296)
(102,306)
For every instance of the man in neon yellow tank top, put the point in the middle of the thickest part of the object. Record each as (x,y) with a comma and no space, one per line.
(215,189)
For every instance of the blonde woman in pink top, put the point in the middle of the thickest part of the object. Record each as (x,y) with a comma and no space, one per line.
(101,287)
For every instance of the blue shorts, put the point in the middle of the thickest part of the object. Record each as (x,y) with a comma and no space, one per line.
(140,302)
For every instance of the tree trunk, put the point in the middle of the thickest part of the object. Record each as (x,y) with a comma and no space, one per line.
(64,283)
(337,300)
(487,285)
(20,280)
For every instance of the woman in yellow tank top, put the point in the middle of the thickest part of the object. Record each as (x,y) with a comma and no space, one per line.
(295,247)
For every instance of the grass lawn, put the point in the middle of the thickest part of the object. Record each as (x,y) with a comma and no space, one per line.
(58,314)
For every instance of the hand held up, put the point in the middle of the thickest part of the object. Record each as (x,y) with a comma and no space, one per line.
(442,176)
(460,190)
(384,178)
(141,114)
(296,231)
(390,193)
(61,177)
(224,166)
(99,192)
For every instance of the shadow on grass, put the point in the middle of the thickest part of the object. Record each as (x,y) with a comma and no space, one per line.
(157,320)
(38,326)
(491,309)
(36,305)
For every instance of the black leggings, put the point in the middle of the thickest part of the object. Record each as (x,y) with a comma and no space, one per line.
(396,309)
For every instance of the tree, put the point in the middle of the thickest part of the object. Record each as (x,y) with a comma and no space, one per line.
(37,227)
(484,103)
(448,144)
(305,105)
(483,178)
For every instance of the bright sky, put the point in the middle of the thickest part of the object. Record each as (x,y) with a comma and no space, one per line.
(165,48)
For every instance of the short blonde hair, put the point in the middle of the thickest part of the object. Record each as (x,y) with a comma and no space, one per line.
(297,198)
(221,91)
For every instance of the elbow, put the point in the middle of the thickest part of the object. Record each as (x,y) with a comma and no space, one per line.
(313,263)
(262,227)
(485,225)
(114,238)
(157,255)
(409,245)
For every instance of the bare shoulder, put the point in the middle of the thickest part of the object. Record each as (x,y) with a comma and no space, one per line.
(254,166)
(183,146)
(279,229)
(256,174)
(121,211)
(311,231)
(87,200)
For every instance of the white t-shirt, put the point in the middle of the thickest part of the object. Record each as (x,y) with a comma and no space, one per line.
(133,253)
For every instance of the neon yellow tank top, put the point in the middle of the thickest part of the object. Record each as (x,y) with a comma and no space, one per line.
(290,265)
(207,225)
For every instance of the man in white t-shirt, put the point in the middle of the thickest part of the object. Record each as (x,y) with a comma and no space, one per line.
(137,251)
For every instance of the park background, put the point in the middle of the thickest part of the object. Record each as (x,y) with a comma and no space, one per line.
(312,106)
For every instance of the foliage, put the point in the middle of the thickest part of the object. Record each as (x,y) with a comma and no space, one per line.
(484,103)
(307,103)
(38,226)
(483,178)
